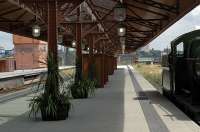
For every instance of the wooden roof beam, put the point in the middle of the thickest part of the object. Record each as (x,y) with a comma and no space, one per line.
(10,11)
(21,15)
(147,22)
(100,39)
(132,11)
(147,10)
(91,29)
(97,17)
(161,6)
(136,37)
(132,19)
(45,1)
(107,14)
(133,29)
(100,7)
(88,31)
(132,39)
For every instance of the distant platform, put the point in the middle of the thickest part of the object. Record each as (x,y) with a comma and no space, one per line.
(27,72)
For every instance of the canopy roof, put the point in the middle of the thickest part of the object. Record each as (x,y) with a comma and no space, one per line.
(145,19)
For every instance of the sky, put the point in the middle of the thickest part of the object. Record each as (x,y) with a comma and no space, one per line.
(6,40)
(188,23)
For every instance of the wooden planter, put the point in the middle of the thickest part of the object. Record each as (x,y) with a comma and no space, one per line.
(99,73)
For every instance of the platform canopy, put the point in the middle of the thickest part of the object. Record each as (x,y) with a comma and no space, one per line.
(145,19)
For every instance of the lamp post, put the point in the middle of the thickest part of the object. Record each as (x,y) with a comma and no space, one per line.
(122,41)
(123,48)
(36,33)
(23,61)
(120,16)
(60,35)
(120,12)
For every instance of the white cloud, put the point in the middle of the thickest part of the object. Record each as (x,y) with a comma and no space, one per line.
(188,23)
(197,27)
(196,11)
(6,40)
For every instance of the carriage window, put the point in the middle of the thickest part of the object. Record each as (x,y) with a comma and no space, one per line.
(195,49)
(180,49)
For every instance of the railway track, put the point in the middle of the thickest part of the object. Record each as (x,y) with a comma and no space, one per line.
(22,84)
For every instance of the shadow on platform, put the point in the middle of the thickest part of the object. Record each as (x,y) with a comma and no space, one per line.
(102,113)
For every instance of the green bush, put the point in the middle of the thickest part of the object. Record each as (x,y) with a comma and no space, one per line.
(83,89)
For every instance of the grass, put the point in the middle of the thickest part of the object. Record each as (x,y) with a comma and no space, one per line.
(151,73)
(69,71)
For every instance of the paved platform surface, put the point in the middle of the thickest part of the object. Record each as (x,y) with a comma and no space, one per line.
(128,103)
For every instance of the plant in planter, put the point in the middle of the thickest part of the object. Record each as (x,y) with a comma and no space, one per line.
(82,89)
(53,102)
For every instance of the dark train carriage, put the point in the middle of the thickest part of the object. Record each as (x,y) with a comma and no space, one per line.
(181,71)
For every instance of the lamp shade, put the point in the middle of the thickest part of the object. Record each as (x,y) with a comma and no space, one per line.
(60,38)
(73,43)
(121,31)
(83,45)
(36,30)
(119,12)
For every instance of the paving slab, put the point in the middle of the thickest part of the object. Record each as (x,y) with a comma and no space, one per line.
(114,108)
(111,110)
(173,118)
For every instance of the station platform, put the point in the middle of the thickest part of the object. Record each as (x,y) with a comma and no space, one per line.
(17,73)
(128,103)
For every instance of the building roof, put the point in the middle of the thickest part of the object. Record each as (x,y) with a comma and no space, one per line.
(145,19)
(146,59)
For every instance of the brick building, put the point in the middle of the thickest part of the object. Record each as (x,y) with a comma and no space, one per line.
(29,53)
(7,64)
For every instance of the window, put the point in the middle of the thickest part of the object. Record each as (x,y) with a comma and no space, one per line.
(180,49)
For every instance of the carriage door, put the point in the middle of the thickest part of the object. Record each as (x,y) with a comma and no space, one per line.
(195,70)
(180,68)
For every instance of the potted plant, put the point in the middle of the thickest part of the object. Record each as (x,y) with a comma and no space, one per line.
(53,102)
(82,89)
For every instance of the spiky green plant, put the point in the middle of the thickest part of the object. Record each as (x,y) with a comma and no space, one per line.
(55,94)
